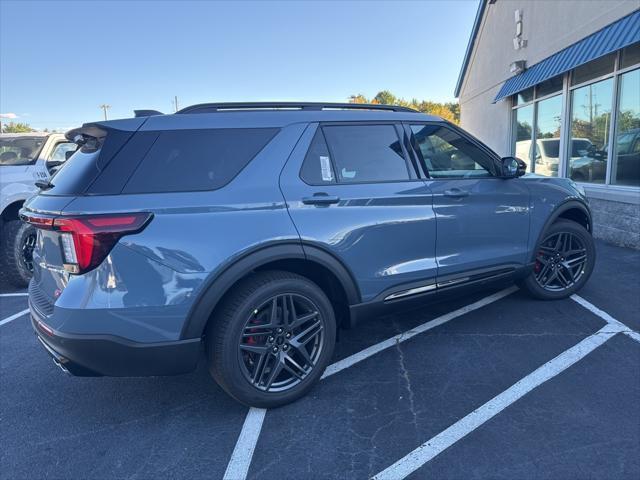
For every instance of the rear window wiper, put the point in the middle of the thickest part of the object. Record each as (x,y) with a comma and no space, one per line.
(44,184)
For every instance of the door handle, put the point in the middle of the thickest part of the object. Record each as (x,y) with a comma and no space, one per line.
(320,199)
(456,193)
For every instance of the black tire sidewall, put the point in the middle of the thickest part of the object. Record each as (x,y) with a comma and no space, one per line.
(226,368)
(531,285)
(14,234)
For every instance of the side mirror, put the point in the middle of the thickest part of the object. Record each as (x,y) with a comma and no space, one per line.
(512,167)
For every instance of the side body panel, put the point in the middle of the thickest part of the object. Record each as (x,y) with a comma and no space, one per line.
(488,227)
(384,233)
(549,196)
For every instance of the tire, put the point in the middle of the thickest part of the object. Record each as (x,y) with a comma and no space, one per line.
(15,236)
(568,266)
(243,353)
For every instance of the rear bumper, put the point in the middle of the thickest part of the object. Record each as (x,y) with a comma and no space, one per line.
(107,355)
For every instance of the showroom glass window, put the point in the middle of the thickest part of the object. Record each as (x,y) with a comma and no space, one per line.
(626,164)
(537,125)
(598,140)
(591,126)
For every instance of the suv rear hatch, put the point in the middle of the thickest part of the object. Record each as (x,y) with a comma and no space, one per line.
(75,244)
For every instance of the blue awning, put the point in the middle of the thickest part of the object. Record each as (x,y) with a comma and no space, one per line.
(609,39)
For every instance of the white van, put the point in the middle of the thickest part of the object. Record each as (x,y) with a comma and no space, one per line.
(25,158)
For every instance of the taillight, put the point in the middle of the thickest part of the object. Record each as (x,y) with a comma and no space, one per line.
(86,240)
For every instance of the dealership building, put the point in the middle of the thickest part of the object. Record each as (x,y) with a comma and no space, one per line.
(557,83)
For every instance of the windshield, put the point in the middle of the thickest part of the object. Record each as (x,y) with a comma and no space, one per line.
(20,150)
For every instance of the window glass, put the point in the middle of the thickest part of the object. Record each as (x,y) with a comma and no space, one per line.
(317,169)
(60,150)
(626,168)
(594,69)
(366,153)
(192,160)
(630,55)
(524,96)
(547,151)
(524,131)
(449,155)
(590,124)
(20,150)
(550,86)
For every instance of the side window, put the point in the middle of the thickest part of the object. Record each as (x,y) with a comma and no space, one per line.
(449,155)
(60,151)
(196,160)
(317,169)
(366,153)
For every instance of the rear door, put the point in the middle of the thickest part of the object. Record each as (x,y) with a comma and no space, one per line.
(353,191)
(482,220)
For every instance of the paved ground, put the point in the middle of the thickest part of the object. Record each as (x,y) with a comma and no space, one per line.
(452,389)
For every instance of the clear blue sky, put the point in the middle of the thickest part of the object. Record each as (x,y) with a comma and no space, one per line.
(60,60)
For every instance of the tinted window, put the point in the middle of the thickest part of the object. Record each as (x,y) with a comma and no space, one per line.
(85,165)
(317,169)
(366,153)
(447,154)
(192,160)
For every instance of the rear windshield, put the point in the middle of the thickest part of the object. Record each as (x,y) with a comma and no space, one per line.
(155,162)
(20,150)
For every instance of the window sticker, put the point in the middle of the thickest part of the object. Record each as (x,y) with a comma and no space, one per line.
(325,166)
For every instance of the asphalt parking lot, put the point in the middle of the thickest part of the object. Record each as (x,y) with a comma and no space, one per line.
(494,385)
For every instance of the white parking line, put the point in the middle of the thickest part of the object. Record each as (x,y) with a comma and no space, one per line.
(606,317)
(14,294)
(240,462)
(243,452)
(428,450)
(13,317)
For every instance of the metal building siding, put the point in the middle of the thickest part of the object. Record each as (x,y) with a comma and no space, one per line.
(613,37)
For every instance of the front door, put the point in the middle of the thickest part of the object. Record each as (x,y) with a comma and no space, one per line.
(482,220)
(352,191)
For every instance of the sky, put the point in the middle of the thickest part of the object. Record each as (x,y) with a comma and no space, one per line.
(60,60)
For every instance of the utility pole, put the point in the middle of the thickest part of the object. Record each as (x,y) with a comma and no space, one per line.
(175,103)
(104,108)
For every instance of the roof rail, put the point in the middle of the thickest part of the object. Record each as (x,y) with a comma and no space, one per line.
(243,106)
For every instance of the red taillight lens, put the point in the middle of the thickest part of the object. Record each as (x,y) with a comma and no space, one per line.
(87,240)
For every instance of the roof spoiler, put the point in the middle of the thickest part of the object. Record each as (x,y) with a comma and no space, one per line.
(146,113)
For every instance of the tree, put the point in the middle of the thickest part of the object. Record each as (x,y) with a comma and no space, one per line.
(385,97)
(449,111)
(13,127)
(359,98)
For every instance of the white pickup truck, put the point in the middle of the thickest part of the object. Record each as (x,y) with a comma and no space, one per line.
(25,158)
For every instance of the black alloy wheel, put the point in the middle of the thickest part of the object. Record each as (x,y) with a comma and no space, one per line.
(560,262)
(271,339)
(281,342)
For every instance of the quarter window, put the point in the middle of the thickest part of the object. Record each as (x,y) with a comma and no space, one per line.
(193,160)
(317,169)
(366,153)
(447,154)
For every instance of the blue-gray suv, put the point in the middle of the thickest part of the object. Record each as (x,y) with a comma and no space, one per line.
(256,230)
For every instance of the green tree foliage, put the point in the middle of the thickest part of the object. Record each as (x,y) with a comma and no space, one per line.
(13,127)
(449,111)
